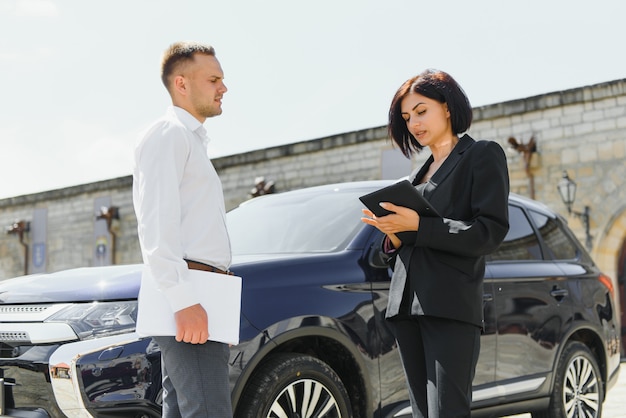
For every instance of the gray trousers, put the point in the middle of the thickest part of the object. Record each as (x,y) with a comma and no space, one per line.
(195,379)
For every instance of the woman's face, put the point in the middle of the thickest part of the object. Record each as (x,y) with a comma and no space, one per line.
(427,119)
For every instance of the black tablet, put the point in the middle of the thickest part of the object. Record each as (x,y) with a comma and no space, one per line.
(402,193)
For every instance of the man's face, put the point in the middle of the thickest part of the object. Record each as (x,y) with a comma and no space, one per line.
(205,87)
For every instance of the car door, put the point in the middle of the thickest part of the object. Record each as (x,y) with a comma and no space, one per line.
(393,383)
(531,307)
(486,366)
(392,387)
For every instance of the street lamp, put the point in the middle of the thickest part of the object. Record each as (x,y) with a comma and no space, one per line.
(567,190)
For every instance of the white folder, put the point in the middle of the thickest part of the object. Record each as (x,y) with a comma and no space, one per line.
(220,296)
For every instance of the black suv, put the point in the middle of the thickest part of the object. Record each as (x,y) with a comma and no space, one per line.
(314,341)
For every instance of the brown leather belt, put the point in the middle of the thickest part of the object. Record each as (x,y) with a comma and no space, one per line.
(196,265)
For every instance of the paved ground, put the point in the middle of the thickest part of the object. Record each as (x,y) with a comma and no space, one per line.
(615,403)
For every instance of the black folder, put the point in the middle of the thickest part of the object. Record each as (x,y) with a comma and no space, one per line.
(402,193)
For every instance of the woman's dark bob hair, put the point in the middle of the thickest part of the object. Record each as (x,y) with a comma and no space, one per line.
(436,85)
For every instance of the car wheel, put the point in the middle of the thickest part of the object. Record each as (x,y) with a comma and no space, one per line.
(291,386)
(578,390)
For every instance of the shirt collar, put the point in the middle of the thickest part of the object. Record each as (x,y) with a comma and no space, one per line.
(191,123)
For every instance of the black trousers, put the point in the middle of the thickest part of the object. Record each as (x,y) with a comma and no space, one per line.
(439,357)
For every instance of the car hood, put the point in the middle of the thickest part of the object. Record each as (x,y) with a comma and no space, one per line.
(240,261)
(76,285)
(102,283)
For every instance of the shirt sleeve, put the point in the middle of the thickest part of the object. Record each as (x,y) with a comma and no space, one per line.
(159,167)
(388,247)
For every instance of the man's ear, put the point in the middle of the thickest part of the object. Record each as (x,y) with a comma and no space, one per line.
(180,85)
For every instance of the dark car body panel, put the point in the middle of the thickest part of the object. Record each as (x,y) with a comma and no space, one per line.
(330,305)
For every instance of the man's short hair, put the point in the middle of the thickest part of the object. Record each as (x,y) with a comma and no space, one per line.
(179,54)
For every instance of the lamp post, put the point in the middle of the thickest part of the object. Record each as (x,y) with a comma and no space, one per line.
(567,190)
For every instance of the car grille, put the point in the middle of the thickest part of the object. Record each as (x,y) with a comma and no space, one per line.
(14,336)
(23,309)
(7,351)
(11,351)
(29,389)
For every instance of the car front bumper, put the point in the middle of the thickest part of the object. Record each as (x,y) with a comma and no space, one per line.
(83,379)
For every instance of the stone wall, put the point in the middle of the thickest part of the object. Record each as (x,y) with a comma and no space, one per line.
(344,157)
(582,130)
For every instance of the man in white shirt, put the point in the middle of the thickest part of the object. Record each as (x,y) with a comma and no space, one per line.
(179,204)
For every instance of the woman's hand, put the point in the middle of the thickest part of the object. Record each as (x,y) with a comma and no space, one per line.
(404,219)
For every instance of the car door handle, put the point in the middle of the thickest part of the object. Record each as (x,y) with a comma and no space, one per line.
(559,293)
(487,297)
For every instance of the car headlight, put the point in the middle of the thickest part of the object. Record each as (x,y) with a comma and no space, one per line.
(98,319)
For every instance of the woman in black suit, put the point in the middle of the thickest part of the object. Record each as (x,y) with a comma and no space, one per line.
(435,298)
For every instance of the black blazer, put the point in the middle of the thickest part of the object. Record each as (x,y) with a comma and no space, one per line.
(444,260)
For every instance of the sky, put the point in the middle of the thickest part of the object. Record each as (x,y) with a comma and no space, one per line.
(80,78)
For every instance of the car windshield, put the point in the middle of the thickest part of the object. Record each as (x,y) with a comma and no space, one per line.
(321,220)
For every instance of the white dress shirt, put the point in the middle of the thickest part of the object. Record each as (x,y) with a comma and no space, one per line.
(179,204)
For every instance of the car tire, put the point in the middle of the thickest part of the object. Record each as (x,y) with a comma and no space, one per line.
(294,385)
(578,389)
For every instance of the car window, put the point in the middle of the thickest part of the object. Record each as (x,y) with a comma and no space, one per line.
(520,242)
(321,221)
(559,245)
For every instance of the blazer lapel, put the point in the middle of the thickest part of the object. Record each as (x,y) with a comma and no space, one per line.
(417,174)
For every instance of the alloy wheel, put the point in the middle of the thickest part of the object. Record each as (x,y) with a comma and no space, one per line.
(305,398)
(581,391)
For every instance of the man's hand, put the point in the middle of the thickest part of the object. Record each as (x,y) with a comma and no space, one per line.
(192,325)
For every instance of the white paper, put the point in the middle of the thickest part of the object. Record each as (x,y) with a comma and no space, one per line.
(220,296)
